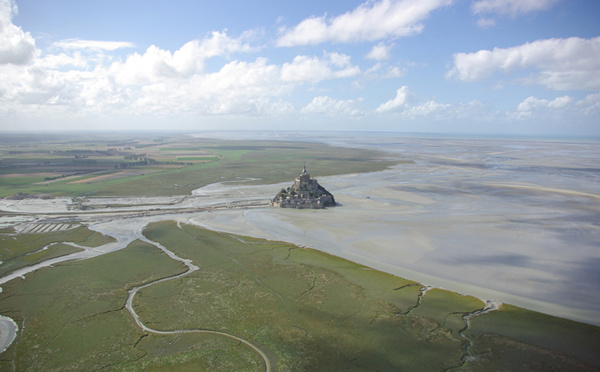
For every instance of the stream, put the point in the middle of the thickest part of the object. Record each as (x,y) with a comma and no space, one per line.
(124,234)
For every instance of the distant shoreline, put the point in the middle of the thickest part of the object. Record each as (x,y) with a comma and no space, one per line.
(319,135)
(290,135)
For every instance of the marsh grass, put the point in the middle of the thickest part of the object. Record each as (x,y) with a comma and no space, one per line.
(537,340)
(17,251)
(308,310)
(196,352)
(73,314)
(313,311)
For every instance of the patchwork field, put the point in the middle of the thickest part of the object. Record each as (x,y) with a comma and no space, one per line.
(121,165)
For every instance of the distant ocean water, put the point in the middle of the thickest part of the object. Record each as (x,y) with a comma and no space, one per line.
(324,135)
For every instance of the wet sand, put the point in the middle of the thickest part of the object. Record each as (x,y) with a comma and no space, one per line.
(8,332)
(517,222)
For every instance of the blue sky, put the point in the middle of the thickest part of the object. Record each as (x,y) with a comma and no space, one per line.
(523,67)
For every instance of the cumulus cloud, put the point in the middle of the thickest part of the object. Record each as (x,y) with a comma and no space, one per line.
(559,64)
(157,64)
(219,43)
(238,87)
(370,21)
(532,105)
(314,69)
(381,70)
(330,106)
(560,112)
(16,47)
(394,72)
(379,52)
(400,101)
(511,7)
(83,77)
(400,105)
(426,109)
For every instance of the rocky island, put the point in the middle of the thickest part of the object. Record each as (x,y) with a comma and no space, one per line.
(304,193)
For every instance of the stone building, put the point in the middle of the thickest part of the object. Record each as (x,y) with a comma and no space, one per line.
(304,193)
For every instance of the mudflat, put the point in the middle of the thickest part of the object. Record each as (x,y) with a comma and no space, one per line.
(516,221)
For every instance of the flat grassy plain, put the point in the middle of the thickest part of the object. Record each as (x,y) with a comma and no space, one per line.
(17,251)
(307,310)
(152,165)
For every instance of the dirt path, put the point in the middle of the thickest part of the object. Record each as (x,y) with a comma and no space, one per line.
(124,231)
(191,269)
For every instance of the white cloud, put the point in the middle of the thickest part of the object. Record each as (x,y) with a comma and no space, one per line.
(400,101)
(532,104)
(157,64)
(426,109)
(16,47)
(373,69)
(219,44)
(238,88)
(564,113)
(314,69)
(511,7)
(83,78)
(332,107)
(370,21)
(394,72)
(380,70)
(95,45)
(591,104)
(561,64)
(379,52)
(400,106)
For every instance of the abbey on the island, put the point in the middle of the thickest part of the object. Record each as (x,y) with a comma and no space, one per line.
(304,193)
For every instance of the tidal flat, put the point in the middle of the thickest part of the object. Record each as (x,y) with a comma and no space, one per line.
(513,220)
(474,225)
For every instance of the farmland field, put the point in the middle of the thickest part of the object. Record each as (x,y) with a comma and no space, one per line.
(120,165)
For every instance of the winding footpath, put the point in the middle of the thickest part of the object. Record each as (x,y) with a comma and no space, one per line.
(124,234)
(191,268)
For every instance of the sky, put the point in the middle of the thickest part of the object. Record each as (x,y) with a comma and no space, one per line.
(512,67)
